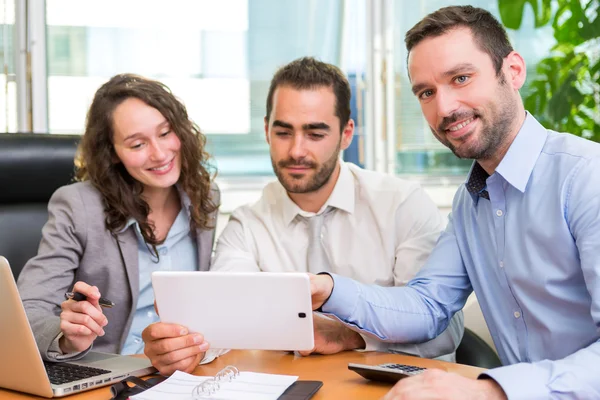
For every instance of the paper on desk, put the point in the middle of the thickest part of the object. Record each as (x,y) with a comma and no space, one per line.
(246,386)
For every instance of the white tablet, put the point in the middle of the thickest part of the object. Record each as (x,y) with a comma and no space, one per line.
(239,310)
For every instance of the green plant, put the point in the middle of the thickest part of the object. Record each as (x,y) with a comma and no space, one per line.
(564,94)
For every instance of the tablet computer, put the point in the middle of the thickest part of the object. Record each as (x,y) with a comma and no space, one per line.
(239,310)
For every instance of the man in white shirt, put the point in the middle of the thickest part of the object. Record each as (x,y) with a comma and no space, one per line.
(373,227)
(325,215)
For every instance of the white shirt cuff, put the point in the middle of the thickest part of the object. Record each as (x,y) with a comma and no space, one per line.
(211,354)
(372,344)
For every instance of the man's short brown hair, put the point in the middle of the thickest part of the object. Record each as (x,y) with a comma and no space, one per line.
(489,35)
(308,73)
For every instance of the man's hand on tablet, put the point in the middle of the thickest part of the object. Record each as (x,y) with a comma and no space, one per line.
(171,347)
(321,287)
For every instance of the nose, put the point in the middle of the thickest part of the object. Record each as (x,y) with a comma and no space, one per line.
(298,149)
(446,103)
(157,152)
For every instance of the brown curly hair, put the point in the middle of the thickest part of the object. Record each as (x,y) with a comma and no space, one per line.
(95,160)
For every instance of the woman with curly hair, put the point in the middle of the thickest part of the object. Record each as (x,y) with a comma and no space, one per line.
(144,202)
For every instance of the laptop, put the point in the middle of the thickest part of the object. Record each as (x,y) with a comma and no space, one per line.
(239,310)
(22,368)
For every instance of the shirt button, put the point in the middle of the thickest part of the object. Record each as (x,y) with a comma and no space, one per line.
(137,340)
(501,264)
(517,314)
(149,314)
(499,213)
(163,251)
(322,235)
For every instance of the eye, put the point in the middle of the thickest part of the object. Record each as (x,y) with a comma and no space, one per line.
(461,79)
(165,133)
(425,94)
(282,133)
(136,146)
(316,136)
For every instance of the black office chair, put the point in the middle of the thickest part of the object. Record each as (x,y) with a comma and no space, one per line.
(472,350)
(32,167)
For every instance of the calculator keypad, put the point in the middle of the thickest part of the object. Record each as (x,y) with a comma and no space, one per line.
(406,369)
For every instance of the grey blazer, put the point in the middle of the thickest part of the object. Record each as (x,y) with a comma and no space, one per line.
(76,246)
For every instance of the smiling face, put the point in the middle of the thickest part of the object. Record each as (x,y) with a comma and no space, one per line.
(146,145)
(305,138)
(468,107)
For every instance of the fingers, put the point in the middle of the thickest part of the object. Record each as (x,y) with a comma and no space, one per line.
(170,347)
(84,313)
(79,330)
(76,322)
(306,353)
(91,292)
(421,386)
(162,330)
(82,321)
(320,289)
(314,285)
(186,365)
(179,359)
(398,392)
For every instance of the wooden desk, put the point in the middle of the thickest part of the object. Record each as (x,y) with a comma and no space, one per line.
(338,381)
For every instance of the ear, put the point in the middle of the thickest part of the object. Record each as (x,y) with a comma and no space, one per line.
(267,130)
(515,70)
(347,134)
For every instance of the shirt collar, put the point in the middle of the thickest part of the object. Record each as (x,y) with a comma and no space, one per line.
(517,164)
(341,197)
(186,204)
(129,222)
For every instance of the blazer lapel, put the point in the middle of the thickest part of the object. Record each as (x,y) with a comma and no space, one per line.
(204,240)
(127,243)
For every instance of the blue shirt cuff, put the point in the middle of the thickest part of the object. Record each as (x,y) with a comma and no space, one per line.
(512,377)
(343,299)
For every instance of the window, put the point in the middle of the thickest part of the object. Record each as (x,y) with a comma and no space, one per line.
(8,89)
(218,57)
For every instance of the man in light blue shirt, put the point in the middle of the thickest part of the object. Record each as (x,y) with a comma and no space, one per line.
(524,231)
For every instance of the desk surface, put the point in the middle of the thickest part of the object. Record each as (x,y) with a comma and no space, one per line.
(338,381)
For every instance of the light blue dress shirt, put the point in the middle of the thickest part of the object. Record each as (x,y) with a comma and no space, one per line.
(531,253)
(178,252)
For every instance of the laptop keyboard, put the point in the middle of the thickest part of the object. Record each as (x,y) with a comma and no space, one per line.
(60,373)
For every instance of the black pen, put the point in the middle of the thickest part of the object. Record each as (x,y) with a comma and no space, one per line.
(76,296)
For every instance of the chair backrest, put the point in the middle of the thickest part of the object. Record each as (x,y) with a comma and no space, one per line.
(32,167)
(476,352)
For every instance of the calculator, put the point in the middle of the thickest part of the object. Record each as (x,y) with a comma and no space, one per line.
(385,372)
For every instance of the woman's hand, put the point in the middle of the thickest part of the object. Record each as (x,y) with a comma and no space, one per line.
(171,347)
(81,322)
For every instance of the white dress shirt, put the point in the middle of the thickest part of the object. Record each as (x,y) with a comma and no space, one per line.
(380,231)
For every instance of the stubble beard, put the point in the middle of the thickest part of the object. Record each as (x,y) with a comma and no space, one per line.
(293,183)
(495,128)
